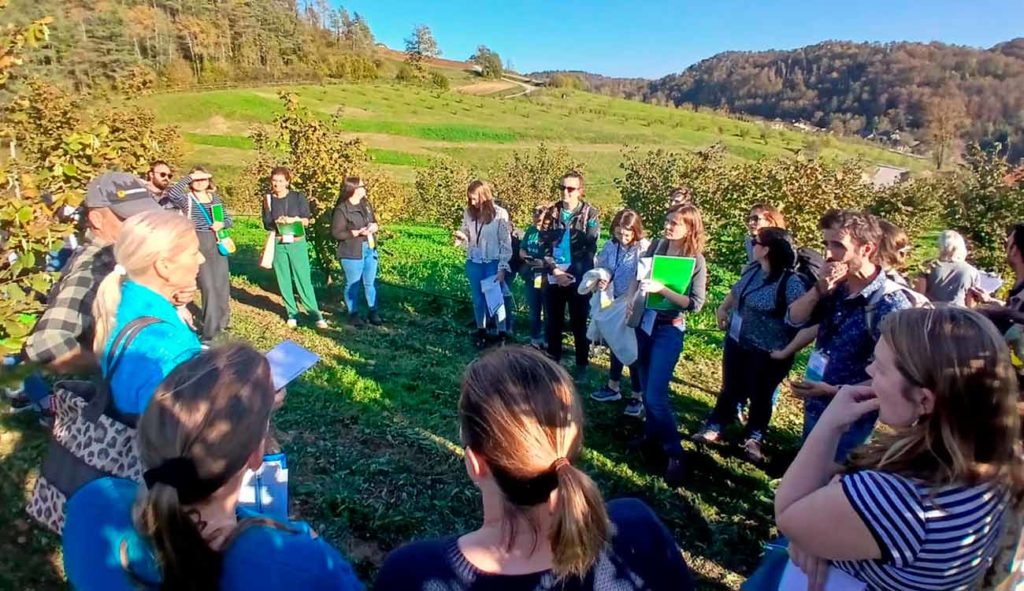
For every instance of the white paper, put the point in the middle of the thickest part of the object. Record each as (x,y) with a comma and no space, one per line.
(494,298)
(794,579)
(989,282)
(288,360)
(644,266)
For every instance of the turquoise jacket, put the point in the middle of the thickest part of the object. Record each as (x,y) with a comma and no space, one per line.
(156,350)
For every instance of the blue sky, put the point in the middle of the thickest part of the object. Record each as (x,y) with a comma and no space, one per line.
(651,38)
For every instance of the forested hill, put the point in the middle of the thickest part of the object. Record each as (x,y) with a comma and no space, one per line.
(132,44)
(866,87)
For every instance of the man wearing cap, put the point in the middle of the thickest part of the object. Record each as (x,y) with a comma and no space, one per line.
(62,339)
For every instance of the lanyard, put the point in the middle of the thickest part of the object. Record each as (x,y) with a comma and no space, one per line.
(477,226)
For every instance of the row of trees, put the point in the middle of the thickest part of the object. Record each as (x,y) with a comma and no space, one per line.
(134,45)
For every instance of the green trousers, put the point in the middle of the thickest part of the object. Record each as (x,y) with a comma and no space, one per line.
(291,262)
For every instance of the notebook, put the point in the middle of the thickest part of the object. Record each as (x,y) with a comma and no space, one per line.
(288,360)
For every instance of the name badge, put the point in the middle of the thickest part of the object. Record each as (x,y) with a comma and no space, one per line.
(371,241)
(288,238)
(735,326)
(606,300)
(475,254)
(538,281)
(816,366)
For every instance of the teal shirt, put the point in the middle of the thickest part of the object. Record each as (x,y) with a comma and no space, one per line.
(563,251)
(156,350)
(99,536)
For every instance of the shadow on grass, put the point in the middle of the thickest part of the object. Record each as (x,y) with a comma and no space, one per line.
(372,438)
(29,555)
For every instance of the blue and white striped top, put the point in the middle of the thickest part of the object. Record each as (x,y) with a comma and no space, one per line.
(930,538)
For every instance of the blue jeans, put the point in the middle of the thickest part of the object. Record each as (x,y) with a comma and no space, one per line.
(363,271)
(854,437)
(535,303)
(659,353)
(477,272)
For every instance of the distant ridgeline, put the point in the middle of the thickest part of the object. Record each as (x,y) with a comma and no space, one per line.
(884,90)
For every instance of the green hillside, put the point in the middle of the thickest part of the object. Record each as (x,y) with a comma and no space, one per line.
(407,125)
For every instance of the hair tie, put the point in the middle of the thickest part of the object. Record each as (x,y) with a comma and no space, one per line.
(559,463)
(181,474)
(120,270)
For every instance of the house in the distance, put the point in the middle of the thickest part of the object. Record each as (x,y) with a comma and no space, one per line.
(886,176)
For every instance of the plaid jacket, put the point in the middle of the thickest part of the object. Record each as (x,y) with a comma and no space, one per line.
(68,321)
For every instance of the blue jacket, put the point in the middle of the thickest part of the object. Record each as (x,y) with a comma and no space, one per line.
(156,350)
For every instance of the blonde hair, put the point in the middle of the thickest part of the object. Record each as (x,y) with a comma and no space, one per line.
(484,211)
(145,239)
(972,434)
(519,410)
(952,247)
(212,412)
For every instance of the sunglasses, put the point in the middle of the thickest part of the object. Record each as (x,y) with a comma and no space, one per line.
(163,175)
(570,189)
(755,218)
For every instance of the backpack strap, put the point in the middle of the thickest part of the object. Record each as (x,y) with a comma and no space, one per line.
(103,401)
(780,294)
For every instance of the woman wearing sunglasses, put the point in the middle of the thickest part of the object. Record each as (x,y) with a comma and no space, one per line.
(197,197)
(761,216)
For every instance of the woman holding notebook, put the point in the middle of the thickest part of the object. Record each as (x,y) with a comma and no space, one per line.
(197,197)
(668,296)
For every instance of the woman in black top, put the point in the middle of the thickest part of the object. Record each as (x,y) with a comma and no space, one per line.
(545,525)
(354,226)
(287,213)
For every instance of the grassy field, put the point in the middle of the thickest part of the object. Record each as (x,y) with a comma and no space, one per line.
(414,123)
(372,437)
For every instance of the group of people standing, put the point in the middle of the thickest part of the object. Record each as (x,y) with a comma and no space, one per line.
(934,502)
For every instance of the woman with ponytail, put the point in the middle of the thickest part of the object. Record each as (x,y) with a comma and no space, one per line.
(158,257)
(205,427)
(545,525)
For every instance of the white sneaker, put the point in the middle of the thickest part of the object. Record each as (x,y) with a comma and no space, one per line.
(321,323)
(292,323)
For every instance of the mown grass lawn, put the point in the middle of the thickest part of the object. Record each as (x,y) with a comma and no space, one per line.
(372,438)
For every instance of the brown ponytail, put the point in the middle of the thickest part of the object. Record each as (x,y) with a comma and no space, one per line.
(210,414)
(519,410)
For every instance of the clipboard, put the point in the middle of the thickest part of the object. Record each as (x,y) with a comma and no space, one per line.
(675,273)
(288,360)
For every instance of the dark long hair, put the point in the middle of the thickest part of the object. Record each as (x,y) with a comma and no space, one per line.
(348,188)
(781,255)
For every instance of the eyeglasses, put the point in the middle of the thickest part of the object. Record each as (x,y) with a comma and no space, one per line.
(163,175)
(568,189)
(754,218)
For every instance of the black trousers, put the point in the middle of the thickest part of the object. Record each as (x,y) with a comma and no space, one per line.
(556,298)
(748,373)
(215,285)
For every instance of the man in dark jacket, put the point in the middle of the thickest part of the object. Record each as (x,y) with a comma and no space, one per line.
(570,245)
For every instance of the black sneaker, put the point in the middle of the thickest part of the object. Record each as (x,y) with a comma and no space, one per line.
(606,394)
(675,473)
(375,318)
(480,339)
(356,320)
(634,408)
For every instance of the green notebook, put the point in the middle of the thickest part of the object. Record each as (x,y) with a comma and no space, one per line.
(295,229)
(676,273)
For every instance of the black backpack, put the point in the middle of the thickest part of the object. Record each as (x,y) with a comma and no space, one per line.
(809,264)
(516,262)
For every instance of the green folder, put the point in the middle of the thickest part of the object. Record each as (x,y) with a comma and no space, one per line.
(675,273)
(295,229)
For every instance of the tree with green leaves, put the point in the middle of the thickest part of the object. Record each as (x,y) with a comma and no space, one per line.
(488,61)
(419,46)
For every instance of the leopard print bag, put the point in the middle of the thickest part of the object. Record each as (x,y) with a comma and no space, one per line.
(91,439)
